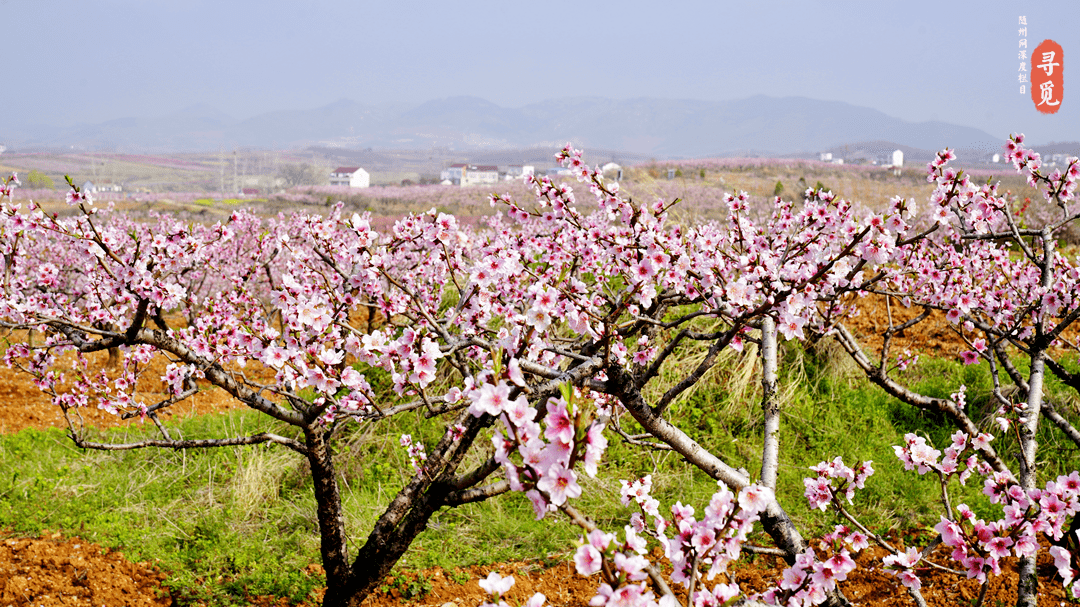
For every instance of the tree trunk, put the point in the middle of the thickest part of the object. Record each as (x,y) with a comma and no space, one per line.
(113,363)
(774,520)
(404,518)
(770,405)
(333,546)
(1028,586)
(377,558)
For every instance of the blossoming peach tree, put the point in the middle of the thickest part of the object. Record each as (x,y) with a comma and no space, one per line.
(1009,294)
(534,339)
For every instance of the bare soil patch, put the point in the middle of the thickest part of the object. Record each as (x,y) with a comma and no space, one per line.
(933,336)
(868,585)
(53,571)
(23,406)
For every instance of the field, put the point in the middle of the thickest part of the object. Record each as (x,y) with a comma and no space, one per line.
(235,526)
(192,185)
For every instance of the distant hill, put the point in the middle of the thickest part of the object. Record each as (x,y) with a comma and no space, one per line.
(638,128)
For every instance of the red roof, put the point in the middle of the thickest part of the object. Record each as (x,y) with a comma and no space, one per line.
(349,170)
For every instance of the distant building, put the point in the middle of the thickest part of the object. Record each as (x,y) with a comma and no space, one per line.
(826,156)
(517,171)
(90,188)
(353,177)
(453,173)
(465,174)
(898,159)
(612,171)
(474,174)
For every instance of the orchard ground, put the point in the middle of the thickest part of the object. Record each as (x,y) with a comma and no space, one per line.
(59,568)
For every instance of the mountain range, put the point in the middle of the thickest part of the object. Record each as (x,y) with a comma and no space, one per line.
(660,128)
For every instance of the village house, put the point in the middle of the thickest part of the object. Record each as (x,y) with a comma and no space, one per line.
(91,188)
(476,174)
(353,177)
(511,172)
(470,174)
(452,173)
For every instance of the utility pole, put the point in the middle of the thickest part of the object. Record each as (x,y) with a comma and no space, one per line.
(221,167)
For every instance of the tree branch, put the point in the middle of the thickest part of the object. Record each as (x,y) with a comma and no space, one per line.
(256,439)
(880,377)
(476,494)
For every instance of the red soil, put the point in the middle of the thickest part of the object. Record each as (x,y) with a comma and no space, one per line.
(56,571)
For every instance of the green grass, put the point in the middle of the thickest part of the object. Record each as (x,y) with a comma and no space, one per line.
(232,522)
(209,202)
(205,515)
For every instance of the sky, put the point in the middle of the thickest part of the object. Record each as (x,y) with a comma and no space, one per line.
(89,61)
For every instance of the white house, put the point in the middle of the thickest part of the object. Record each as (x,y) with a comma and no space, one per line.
(474,174)
(354,177)
(517,171)
(898,158)
(90,188)
(453,173)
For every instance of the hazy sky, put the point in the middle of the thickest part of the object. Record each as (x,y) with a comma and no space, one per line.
(71,61)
